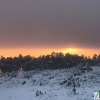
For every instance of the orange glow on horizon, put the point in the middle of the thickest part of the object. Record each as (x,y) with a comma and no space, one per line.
(85,51)
(40,51)
(70,50)
(30,51)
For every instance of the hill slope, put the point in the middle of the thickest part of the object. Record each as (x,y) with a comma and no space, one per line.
(61,84)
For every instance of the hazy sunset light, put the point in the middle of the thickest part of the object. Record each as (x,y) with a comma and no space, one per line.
(82,51)
(71,50)
(40,51)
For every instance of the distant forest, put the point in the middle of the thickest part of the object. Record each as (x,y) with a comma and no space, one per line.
(52,61)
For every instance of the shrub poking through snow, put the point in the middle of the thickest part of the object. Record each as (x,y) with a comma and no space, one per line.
(24,82)
(62,83)
(38,93)
(74,90)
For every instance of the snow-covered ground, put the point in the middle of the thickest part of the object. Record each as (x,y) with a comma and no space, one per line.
(59,84)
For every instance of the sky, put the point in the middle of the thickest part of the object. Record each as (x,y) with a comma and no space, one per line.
(39,27)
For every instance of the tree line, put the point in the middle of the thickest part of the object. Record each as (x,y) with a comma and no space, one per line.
(52,61)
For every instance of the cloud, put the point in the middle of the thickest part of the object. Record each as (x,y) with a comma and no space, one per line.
(27,23)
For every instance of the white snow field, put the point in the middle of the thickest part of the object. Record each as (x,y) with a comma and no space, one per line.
(61,84)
